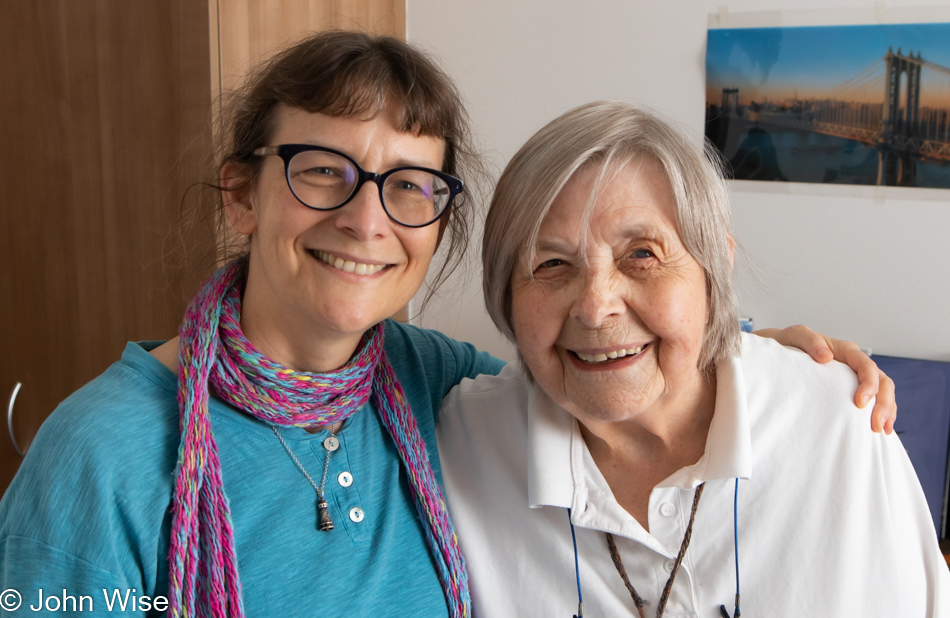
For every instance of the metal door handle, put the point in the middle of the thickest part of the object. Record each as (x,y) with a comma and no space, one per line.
(16,391)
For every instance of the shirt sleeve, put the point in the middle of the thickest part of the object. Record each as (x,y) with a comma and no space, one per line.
(913,530)
(86,510)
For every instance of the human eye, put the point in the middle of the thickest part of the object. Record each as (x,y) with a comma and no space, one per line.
(641,254)
(405,185)
(320,169)
(549,264)
(321,174)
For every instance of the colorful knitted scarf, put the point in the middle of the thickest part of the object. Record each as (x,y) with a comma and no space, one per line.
(203,575)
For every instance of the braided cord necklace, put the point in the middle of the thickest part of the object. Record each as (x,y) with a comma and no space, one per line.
(665,596)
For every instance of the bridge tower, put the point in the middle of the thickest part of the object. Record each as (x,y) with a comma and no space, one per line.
(897,165)
(730,101)
(897,64)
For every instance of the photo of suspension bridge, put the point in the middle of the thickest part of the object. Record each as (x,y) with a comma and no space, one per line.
(866,105)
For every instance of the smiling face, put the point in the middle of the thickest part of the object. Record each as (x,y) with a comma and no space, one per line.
(611,324)
(319,279)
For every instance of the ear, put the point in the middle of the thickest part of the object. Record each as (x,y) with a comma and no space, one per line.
(732,252)
(238,203)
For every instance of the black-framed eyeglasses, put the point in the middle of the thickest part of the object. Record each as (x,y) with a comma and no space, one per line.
(324,179)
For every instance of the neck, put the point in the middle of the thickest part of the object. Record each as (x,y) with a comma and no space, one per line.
(656,443)
(295,343)
(314,352)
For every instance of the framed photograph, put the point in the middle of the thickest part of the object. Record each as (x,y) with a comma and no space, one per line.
(853,105)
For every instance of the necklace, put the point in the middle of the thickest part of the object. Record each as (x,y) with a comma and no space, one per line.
(324,523)
(664,597)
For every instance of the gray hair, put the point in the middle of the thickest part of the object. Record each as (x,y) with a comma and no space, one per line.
(613,134)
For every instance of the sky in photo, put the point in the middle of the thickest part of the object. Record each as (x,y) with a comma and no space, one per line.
(810,62)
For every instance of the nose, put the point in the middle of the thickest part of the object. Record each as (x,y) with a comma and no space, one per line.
(599,297)
(363,217)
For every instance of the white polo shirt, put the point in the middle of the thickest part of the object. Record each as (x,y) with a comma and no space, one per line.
(831,518)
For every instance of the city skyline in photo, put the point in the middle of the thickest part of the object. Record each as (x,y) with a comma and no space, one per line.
(846,63)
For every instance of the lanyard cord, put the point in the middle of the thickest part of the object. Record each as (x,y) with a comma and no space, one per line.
(577,570)
(735,536)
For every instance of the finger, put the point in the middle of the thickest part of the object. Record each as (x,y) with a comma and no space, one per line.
(814,344)
(884,414)
(860,363)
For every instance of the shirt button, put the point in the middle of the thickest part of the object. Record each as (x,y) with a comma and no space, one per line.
(356,514)
(345,479)
(667,509)
(668,566)
(331,444)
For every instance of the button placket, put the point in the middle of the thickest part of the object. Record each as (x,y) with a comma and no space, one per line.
(342,490)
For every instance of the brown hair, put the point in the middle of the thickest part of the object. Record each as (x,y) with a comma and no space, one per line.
(357,75)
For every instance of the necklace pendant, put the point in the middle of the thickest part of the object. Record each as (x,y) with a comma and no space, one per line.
(324,523)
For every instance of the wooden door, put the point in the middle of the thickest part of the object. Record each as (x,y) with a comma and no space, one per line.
(105,120)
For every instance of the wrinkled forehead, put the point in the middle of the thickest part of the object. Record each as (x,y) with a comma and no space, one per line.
(607,199)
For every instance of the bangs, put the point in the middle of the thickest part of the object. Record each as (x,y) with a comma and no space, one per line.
(364,83)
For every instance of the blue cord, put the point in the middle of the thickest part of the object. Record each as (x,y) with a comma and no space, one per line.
(577,570)
(735,536)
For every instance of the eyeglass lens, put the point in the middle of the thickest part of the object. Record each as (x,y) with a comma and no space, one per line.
(325,180)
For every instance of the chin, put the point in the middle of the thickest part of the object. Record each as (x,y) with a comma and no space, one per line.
(351,322)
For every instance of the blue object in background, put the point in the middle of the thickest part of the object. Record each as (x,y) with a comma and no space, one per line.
(746,325)
(923,423)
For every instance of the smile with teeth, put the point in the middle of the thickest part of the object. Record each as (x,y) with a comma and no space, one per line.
(609,356)
(347,265)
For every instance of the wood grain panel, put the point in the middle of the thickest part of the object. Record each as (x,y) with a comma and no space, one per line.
(249,30)
(105,123)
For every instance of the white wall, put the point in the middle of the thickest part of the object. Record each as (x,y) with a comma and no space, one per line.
(873,268)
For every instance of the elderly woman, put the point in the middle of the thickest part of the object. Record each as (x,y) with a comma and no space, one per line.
(643,423)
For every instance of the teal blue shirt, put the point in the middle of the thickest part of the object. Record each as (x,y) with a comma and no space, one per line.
(89,509)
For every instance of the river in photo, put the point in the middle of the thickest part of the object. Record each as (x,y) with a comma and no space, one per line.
(761,151)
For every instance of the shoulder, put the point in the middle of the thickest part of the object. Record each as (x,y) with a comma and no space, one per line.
(777,375)
(430,356)
(798,406)
(103,462)
(402,337)
(130,407)
(501,398)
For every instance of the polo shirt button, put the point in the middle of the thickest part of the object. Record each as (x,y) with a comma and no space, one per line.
(668,566)
(331,444)
(356,514)
(667,509)
(345,479)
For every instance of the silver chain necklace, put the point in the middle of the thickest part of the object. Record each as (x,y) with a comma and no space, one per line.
(324,523)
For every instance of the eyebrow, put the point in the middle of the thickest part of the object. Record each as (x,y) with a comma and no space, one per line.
(401,162)
(639,230)
(633,232)
(552,245)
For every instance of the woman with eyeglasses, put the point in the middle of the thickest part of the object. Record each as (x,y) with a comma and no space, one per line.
(278,457)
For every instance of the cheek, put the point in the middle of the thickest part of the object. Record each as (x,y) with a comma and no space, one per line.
(537,323)
(680,314)
(420,245)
